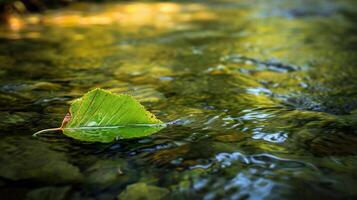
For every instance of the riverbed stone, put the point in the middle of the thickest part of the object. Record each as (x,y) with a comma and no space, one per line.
(23,159)
(142,191)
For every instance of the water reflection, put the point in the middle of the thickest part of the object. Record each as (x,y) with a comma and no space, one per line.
(259,99)
(131,16)
(263,160)
(256,189)
(278,137)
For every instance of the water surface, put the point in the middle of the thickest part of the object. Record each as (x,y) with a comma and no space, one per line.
(262,96)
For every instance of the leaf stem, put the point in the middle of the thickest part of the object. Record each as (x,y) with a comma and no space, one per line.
(46,130)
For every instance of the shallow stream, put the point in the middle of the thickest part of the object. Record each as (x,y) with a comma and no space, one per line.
(262,96)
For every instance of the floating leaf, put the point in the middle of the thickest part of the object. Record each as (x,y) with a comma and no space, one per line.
(101,116)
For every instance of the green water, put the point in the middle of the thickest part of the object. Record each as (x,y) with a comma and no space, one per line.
(261,97)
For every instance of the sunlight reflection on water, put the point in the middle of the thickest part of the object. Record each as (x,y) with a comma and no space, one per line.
(259,104)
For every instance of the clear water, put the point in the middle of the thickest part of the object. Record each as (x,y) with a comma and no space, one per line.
(263,96)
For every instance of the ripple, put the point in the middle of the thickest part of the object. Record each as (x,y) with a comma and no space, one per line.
(278,137)
(251,115)
(263,160)
(272,64)
(254,189)
(259,91)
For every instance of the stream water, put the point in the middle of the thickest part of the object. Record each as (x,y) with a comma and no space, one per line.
(262,96)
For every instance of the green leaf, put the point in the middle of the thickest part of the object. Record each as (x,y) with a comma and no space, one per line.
(101,116)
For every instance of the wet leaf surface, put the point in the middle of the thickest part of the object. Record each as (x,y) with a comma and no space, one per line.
(102,116)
